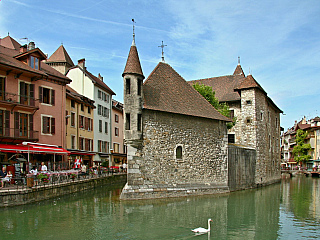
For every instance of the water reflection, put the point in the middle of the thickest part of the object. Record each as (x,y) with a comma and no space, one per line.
(276,212)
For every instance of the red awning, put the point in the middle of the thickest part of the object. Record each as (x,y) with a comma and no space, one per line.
(32,149)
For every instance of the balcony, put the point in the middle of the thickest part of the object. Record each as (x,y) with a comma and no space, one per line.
(17,135)
(21,100)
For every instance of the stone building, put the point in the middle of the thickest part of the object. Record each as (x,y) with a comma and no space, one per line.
(258,120)
(176,141)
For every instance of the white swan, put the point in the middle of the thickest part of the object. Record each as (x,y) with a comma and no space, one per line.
(202,230)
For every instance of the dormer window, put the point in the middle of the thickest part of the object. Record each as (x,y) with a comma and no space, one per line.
(34,62)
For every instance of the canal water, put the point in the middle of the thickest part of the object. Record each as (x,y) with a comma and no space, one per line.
(288,210)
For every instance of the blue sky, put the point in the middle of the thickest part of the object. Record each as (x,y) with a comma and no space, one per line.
(278,41)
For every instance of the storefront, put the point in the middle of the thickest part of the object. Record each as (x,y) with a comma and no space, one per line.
(33,153)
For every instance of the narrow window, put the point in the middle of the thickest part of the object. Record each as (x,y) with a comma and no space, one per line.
(72,103)
(179,152)
(100,125)
(231,114)
(139,122)
(128,86)
(248,101)
(116,118)
(139,87)
(127,121)
(231,138)
(106,127)
(116,132)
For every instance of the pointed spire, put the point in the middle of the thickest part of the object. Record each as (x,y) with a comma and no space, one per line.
(134,36)
(133,65)
(60,55)
(238,70)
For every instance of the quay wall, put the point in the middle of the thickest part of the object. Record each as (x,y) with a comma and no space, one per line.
(14,197)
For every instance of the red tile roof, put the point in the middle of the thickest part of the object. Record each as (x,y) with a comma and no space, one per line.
(250,82)
(223,86)
(238,70)
(133,63)
(60,55)
(165,90)
(100,83)
(9,42)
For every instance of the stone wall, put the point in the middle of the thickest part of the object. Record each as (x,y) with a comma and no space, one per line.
(242,167)
(155,171)
(24,196)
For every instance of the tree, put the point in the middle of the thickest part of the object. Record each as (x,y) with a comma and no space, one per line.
(209,94)
(300,151)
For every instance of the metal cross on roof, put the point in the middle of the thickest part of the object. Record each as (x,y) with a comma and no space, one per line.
(162,46)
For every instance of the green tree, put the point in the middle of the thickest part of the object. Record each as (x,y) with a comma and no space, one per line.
(300,151)
(209,94)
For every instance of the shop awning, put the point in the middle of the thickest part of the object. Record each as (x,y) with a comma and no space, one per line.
(76,152)
(40,149)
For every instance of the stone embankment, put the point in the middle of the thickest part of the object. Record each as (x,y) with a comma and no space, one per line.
(16,196)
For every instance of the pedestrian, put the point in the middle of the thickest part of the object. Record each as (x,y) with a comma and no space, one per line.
(7,178)
(3,172)
(124,167)
(43,167)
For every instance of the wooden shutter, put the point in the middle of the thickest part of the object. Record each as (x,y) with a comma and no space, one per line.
(22,92)
(31,126)
(40,94)
(53,125)
(7,123)
(66,118)
(52,96)
(44,125)
(16,124)
(86,123)
(32,102)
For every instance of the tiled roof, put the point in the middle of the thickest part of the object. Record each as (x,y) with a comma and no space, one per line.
(9,42)
(60,55)
(100,83)
(223,86)
(7,57)
(165,90)
(238,71)
(133,63)
(250,82)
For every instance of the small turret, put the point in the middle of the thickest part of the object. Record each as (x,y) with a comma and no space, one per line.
(133,95)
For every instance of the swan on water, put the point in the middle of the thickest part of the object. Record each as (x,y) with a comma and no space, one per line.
(202,230)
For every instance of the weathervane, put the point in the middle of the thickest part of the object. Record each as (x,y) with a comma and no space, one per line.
(162,46)
(133,41)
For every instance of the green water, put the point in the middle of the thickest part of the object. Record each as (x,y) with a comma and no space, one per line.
(290,210)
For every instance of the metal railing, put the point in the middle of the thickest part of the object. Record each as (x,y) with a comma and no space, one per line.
(18,99)
(19,133)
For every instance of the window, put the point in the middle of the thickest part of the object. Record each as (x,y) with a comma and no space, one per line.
(81,122)
(99,94)
(26,93)
(22,122)
(67,118)
(4,123)
(139,87)
(231,114)
(261,116)
(128,86)
(100,125)
(99,109)
(103,146)
(81,143)
(139,122)
(82,107)
(179,153)
(106,127)
(73,105)
(248,120)
(231,138)
(116,118)
(127,121)
(73,116)
(116,147)
(2,88)
(73,142)
(34,62)
(89,110)
(46,95)
(48,125)
(116,132)
(248,102)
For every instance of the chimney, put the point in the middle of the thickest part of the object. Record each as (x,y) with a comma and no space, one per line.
(81,63)
(31,46)
(23,48)
(100,77)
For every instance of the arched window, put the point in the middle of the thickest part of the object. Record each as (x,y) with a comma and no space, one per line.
(179,152)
